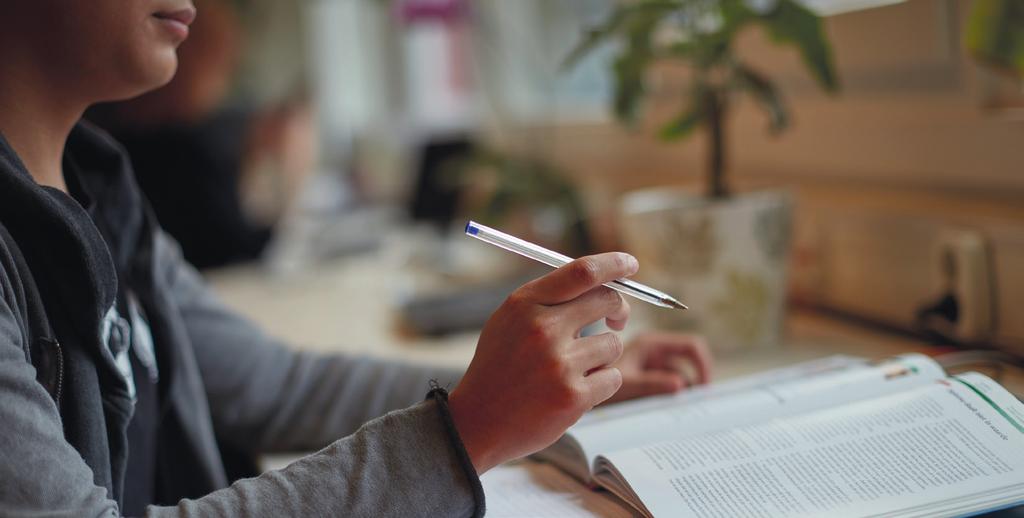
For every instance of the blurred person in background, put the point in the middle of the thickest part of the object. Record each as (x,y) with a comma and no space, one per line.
(123,379)
(218,175)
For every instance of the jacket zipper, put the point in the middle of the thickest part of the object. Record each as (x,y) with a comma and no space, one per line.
(60,372)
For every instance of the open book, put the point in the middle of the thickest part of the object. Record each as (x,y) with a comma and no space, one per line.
(838,437)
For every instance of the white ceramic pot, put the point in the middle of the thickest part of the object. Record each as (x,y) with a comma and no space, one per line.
(726,259)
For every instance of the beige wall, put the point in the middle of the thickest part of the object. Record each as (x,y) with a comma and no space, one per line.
(910,114)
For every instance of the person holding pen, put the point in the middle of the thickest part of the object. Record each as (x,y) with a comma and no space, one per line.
(125,383)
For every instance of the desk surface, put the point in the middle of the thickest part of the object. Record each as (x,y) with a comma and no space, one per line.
(348,305)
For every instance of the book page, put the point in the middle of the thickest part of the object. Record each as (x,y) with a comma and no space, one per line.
(787,396)
(568,454)
(535,490)
(816,367)
(953,447)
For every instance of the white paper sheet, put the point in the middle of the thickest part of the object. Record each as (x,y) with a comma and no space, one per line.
(533,490)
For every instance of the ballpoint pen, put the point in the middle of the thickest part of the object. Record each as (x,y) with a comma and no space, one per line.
(555,259)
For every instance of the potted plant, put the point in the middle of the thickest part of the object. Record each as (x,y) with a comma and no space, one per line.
(724,253)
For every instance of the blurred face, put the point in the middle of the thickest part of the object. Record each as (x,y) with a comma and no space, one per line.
(100,50)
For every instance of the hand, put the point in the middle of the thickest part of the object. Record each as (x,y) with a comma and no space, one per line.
(532,375)
(650,365)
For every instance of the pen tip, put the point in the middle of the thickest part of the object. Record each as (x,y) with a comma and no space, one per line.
(678,305)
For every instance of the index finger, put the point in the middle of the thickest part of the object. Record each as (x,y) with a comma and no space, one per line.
(580,276)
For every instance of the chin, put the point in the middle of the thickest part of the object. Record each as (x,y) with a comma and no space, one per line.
(149,73)
(163,69)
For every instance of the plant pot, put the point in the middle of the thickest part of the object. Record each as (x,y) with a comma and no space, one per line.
(726,259)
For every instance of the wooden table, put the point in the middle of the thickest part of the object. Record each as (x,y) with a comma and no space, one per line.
(348,305)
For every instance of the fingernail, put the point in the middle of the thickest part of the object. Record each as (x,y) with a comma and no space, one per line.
(633,264)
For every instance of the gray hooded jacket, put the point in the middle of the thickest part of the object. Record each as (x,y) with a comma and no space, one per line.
(64,406)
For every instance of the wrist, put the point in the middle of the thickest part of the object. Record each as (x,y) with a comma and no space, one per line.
(471,428)
(441,399)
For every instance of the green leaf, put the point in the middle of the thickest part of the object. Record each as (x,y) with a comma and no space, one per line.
(616,22)
(736,14)
(705,50)
(629,86)
(766,95)
(995,33)
(680,50)
(682,126)
(591,39)
(792,23)
(631,64)
(687,120)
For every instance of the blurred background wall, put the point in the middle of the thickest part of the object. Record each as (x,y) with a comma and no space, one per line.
(918,157)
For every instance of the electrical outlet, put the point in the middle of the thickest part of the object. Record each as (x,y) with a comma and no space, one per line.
(909,272)
(964,277)
(887,257)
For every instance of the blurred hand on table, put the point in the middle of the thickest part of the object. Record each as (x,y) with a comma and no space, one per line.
(651,365)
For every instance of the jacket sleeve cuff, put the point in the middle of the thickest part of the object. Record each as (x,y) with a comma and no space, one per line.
(440,396)
(407,463)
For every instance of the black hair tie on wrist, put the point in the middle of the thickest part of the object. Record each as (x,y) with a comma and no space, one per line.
(440,395)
